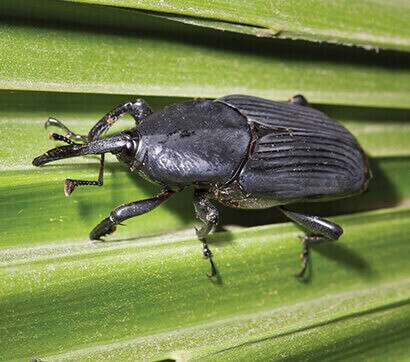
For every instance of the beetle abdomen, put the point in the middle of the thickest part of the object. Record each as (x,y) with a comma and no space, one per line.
(303,166)
(299,153)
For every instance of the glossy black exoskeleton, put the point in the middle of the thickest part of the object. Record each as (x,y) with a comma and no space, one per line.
(243,151)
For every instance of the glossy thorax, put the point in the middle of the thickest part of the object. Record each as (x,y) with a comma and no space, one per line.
(194,143)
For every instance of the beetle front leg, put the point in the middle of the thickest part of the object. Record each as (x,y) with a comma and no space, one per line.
(70,185)
(138,110)
(209,215)
(127,211)
(320,229)
(70,135)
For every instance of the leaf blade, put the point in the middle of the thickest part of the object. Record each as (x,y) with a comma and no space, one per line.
(369,24)
(134,62)
(150,297)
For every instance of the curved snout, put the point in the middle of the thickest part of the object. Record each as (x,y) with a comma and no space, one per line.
(113,144)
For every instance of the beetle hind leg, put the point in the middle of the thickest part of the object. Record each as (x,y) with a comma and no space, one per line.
(320,230)
(307,242)
(299,99)
(209,215)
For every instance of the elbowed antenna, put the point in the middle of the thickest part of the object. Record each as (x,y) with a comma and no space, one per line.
(112,144)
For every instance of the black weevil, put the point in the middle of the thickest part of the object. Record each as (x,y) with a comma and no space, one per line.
(243,151)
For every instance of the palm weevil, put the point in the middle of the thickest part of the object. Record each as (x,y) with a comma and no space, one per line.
(243,151)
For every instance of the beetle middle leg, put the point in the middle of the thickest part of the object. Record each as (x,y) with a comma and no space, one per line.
(209,215)
(320,230)
(127,211)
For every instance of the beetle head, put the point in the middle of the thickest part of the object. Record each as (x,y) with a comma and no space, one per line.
(128,152)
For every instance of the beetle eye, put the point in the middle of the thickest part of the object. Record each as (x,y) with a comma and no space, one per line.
(128,151)
(130,147)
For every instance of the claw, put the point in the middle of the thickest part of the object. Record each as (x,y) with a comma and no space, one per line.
(213,269)
(69,187)
(105,227)
(69,134)
(301,274)
(56,123)
(305,258)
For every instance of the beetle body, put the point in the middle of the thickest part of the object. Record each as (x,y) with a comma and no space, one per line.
(249,152)
(244,151)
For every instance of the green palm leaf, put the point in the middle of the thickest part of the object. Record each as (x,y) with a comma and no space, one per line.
(367,23)
(144,294)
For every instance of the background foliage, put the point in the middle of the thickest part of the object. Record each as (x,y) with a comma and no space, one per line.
(143,294)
